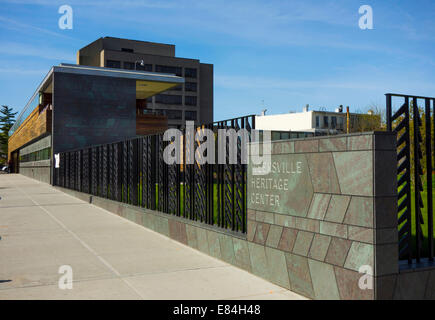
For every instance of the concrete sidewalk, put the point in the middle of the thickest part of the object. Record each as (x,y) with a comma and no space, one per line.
(42,229)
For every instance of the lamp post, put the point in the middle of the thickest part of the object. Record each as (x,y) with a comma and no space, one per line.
(141,63)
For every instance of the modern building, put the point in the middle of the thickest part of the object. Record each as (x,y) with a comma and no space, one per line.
(192,100)
(319,122)
(76,106)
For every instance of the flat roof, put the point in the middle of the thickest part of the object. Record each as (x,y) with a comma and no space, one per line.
(140,41)
(118,73)
(167,78)
(312,111)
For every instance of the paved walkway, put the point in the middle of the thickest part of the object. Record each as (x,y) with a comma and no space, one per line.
(42,229)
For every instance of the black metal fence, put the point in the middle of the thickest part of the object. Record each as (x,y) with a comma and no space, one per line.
(134,172)
(415,170)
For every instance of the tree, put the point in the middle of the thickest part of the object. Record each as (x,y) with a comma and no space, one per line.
(372,119)
(380,112)
(7,119)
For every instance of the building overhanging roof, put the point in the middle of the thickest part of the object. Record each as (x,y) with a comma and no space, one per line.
(118,73)
(148,83)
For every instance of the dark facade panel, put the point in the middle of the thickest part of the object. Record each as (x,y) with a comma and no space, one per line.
(90,110)
(206,93)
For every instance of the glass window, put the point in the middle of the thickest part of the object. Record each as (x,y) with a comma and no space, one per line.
(113,64)
(190,100)
(177,88)
(190,115)
(317,122)
(293,135)
(173,114)
(168,99)
(275,135)
(333,122)
(39,155)
(190,86)
(128,65)
(285,135)
(325,122)
(169,69)
(340,123)
(190,72)
(145,67)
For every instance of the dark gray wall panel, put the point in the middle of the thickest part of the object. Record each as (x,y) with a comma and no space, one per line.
(206,95)
(90,110)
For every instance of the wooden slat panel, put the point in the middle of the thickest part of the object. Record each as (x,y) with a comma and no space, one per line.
(34,126)
(150,124)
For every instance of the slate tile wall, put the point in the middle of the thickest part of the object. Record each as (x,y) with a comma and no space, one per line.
(326,244)
(350,222)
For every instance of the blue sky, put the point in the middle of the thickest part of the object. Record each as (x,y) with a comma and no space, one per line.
(285,53)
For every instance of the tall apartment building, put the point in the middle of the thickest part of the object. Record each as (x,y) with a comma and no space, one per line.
(192,100)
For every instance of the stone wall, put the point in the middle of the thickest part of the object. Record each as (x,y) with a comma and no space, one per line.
(416,281)
(325,210)
(329,210)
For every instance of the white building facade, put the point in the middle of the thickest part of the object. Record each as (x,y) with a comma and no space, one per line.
(306,121)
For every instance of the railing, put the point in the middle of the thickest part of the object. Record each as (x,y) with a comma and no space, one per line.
(415,219)
(134,172)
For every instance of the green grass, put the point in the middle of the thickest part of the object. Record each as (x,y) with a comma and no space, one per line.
(424,213)
(182,194)
(215,202)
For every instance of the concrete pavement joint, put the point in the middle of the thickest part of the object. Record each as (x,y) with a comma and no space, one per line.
(121,277)
(176,243)
(84,244)
(53,283)
(138,226)
(126,266)
(45,205)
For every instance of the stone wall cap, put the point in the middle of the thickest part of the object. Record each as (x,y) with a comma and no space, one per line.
(355,134)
